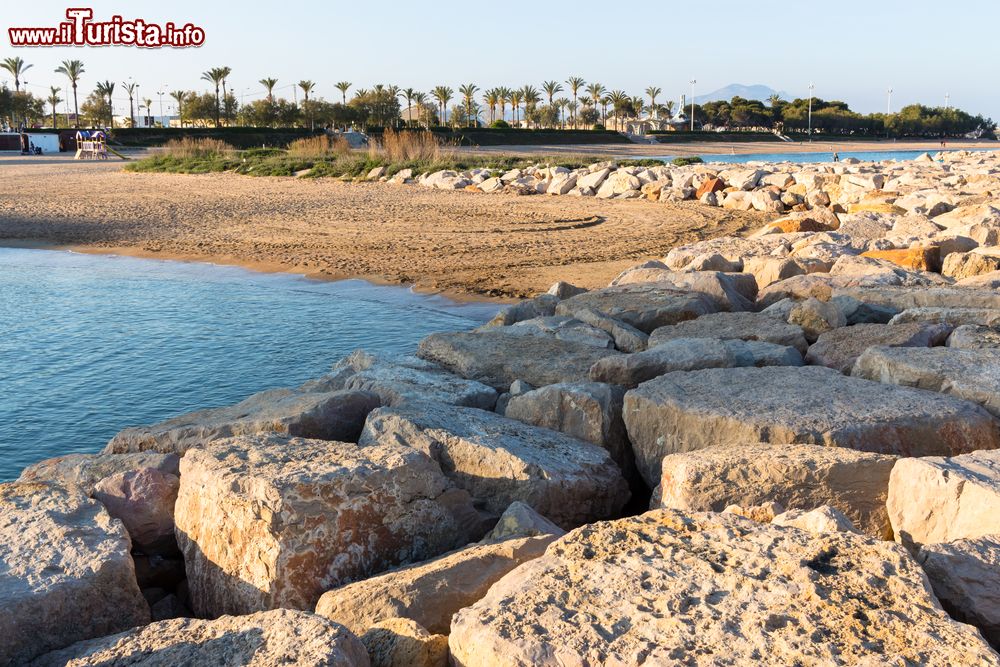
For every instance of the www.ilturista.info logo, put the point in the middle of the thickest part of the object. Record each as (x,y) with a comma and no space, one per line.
(80,30)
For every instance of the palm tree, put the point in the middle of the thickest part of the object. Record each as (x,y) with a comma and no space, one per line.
(307,87)
(224,72)
(343,87)
(443,95)
(491,98)
(409,94)
(215,76)
(530,97)
(653,93)
(107,89)
(562,103)
(72,69)
(605,101)
(468,92)
(515,105)
(618,99)
(419,99)
(503,93)
(269,84)
(180,96)
(16,67)
(596,92)
(774,100)
(552,88)
(148,103)
(130,88)
(575,83)
(54,99)
(668,107)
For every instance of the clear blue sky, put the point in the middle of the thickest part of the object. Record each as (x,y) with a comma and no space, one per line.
(851,50)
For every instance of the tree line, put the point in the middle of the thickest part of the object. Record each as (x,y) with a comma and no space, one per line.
(574,103)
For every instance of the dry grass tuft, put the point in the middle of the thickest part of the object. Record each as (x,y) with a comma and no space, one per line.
(407,146)
(319,146)
(190,147)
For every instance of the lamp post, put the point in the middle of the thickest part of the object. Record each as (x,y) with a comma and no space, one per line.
(692,82)
(810,131)
(160,93)
(947,101)
(888,102)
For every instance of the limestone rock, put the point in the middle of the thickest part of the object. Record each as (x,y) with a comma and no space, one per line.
(429,593)
(711,588)
(520,520)
(65,571)
(561,327)
(798,477)
(960,265)
(399,642)
(942,499)
(725,291)
(271,521)
(589,411)
(689,354)
(741,326)
(563,290)
(823,519)
(686,411)
(396,383)
(816,317)
(644,306)
(336,415)
(144,501)
(970,374)
(500,460)
(626,337)
(497,358)
(839,349)
(264,639)
(972,337)
(955,317)
(543,305)
(86,470)
(964,576)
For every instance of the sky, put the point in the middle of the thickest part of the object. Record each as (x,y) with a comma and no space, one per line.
(850,50)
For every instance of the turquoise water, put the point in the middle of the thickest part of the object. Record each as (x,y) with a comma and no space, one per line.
(92,344)
(805,158)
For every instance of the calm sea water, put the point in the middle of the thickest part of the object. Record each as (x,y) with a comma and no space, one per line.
(92,344)
(805,158)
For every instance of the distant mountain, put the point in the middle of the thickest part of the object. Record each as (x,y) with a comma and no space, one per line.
(755,92)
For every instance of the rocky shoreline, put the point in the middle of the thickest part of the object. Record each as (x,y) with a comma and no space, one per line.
(781,449)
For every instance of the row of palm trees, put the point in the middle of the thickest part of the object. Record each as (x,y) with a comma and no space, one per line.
(593,94)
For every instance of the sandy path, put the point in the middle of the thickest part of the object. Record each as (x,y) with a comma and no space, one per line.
(498,245)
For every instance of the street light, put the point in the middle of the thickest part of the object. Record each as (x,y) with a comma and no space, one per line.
(888,102)
(947,101)
(692,82)
(810,132)
(160,93)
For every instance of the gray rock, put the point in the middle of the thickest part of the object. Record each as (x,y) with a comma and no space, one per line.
(279,637)
(337,415)
(626,337)
(65,571)
(859,312)
(742,326)
(953,316)
(520,520)
(687,411)
(86,470)
(396,383)
(500,460)
(902,298)
(561,327)
(644,306)
(965,576)
(726,291)
(563,290)
(589,411)
(542,305)
(689,354)
(973,375)
(822,519)
(816,317)
(799,477)
(973,337)
(839,349)
(497,358)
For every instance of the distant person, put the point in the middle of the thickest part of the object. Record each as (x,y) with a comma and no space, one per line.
(836,156)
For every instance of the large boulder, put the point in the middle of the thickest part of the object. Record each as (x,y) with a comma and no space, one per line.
(501,460)
(336,415)
(643,306)
(497,358)
(144,501)
(589,411)
(429,593)
(664,588)
(725,291)
(800,477)
(398,381)
(271,521)
(965,576)
(941,499)
(569,329)
(84,471)
(681,412)
(956,317)
(973,337)
(840,348)
(279,637)
(65,571)
(400,642)
(689,354)
(742,326)
(519,520)
(970,374)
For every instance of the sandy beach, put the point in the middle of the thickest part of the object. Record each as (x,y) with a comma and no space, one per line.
(502,246)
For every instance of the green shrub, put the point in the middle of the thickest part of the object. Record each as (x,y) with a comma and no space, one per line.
(683,161)
(500,125)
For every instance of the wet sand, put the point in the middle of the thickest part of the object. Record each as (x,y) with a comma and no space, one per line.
(502,246)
